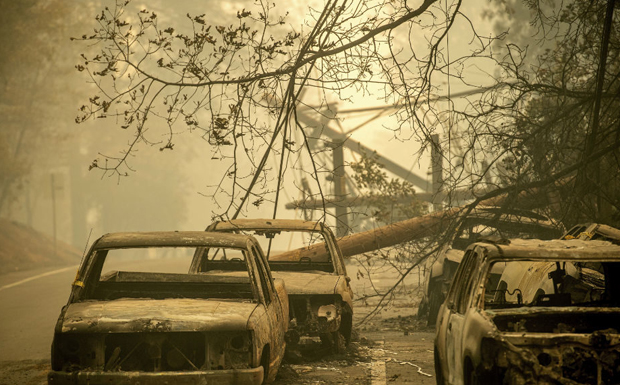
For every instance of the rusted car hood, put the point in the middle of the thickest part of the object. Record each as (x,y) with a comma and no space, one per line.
(308,282)
(139,315)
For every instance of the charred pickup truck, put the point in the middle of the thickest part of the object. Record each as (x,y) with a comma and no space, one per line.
(320,297)
(552,317)
(136,316)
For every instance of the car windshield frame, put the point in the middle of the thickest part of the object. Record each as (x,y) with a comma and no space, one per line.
(488,271)
(91,269)
(258,231)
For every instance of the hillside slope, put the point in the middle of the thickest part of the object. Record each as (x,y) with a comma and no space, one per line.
(23,248)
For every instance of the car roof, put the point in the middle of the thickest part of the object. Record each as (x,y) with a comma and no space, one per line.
(609,232)
(592,231)
(268,224)
(171,239)
(536,249)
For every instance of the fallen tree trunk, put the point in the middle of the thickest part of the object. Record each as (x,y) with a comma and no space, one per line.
(399,232)
(381,237)
(531,195)
(430,224)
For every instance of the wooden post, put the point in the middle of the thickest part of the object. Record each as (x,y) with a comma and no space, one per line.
(437,172)
(342,215)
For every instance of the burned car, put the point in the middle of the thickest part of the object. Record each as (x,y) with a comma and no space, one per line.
(552,318)
(320,296)
(595,231)
(482,222)
(136,316)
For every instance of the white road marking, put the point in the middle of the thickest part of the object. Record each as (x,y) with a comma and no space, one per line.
(37,277)
(377,367)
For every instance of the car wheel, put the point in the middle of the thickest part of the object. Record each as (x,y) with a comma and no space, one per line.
(339,343)
(346,327)
(334,341)
(471,378)
(438,372)
(434,303)
(422,309)
(264,362)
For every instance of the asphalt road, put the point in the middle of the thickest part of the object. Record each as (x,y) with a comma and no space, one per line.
(30,303)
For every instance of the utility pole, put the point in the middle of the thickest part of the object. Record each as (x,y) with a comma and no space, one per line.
(54,212)
(437,172)
(602,206)
(342,215)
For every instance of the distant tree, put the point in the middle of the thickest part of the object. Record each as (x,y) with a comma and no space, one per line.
(542,119)
(32,90)
(383,199)
(39,94)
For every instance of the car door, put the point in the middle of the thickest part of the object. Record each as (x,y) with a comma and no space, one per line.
(273,305)
(458,302)
(338,260)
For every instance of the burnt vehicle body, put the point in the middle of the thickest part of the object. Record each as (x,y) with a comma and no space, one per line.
(320,296)
(550,319)
(128,321)
(480,223)
(593,231)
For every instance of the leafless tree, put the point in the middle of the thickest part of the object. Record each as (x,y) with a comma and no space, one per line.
(544,126)
(239,85)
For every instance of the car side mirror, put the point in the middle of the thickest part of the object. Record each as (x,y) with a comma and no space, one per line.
(348,279)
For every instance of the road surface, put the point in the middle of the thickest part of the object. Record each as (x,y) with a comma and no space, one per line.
(30,303)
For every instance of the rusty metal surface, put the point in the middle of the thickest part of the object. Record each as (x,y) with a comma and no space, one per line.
(308,282)
(574,249)
(317,316)
(556,358)
(529,278)
(318,254)
(170,238)
(310,289)
(142,315)
(608,232)
(267,224)
(481,222)
(590,231)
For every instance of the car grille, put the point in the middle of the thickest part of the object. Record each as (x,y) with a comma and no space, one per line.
(154,352)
